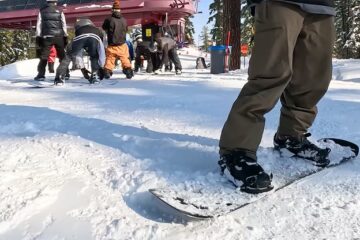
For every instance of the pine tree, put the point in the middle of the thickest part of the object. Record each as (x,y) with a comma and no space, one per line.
(189,30)
(247,25)
(5,47)
(353,43)
(205,38)
(343,27)
(13,46)
(232,18)
(226,20)
(216,16)
(20,44)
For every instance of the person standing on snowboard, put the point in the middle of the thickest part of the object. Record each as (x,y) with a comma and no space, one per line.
(115,27)
(50,31)
(291,61)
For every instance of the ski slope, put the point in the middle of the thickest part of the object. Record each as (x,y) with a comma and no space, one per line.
(76,161)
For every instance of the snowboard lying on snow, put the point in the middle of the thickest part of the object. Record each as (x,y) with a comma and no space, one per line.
(213,195)
(70,83)
(50,84)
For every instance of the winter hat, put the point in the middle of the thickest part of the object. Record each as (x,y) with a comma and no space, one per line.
(137,36)
(83,22)
(116,6)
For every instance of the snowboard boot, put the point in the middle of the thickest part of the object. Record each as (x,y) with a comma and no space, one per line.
(39,78)
(101,73)
(178,72)
(301,147)
(128,73)
(243,171)
(94,79)
(58,81)
(67,75)
(107,73)
(167,69)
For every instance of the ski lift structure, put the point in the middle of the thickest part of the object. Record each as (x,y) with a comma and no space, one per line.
(160,15)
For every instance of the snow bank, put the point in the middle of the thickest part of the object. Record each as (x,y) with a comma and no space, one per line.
(348,70)
(19,69)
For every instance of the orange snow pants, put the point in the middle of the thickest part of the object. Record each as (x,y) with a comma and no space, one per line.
(121,52)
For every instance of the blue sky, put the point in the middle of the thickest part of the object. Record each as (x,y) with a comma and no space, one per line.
(200,20)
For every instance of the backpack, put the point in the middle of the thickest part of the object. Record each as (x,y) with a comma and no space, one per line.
(200,63)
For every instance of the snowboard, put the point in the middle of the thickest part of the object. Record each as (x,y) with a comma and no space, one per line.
(213,195)
(42,84)
(71,83)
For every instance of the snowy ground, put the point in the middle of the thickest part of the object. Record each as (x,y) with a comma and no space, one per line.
(76,161)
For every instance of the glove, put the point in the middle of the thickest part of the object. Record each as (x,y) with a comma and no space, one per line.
(66,41)
(154,47)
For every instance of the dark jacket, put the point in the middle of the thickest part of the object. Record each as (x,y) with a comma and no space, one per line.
(51,24)
(116,28)
(329,3)
(89,29)
(165,43)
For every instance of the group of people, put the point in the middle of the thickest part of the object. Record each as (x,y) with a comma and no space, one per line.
(51,33)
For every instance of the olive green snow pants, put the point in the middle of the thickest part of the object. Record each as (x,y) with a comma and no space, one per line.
(291,60)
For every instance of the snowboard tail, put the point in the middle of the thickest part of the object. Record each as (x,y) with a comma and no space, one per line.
(215,196)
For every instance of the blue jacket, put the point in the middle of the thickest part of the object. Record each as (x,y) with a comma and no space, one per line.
(131,50)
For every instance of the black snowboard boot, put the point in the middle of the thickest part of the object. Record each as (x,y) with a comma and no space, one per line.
(107,74)
(93,79)
(301,147)
(101,73)
(67,75)
(58,81)
(244,171)
(128,72)
(39,78)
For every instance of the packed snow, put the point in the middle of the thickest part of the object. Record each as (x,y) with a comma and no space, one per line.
(76,161)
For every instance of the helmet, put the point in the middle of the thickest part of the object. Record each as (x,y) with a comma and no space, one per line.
(83,22)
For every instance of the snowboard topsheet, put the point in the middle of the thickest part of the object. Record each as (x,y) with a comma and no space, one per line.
(213,195)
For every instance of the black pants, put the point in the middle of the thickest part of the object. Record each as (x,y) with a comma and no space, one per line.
(45,46)
(168,57)
(156,61)
(153,59)
(51,67)
(88,44)
(174,57)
